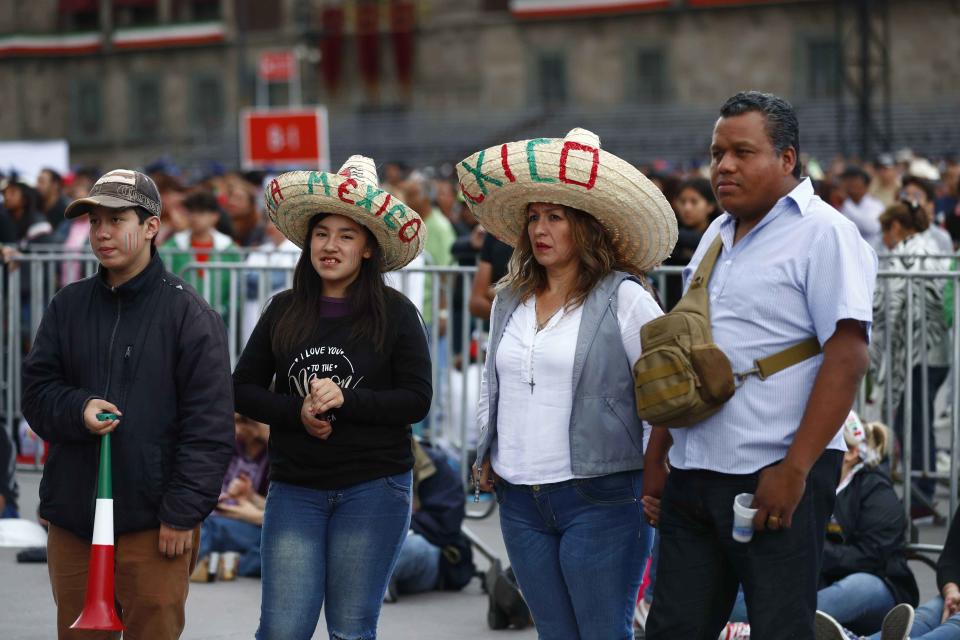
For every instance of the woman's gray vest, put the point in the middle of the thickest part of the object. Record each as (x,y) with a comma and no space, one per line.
(606,436)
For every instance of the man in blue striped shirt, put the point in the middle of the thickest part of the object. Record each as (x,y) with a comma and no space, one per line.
(791,267)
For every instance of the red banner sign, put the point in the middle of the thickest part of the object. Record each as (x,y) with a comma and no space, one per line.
(284,139)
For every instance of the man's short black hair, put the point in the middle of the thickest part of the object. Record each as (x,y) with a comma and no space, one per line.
(54,175)
(854,171)
(201,201)
(926,185)
(782,126)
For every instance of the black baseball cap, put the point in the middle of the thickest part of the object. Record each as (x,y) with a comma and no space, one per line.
(119,189)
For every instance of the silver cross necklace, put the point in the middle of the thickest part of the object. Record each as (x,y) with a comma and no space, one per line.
(537,329)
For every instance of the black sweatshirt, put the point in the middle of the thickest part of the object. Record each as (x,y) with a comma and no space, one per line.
(384,391)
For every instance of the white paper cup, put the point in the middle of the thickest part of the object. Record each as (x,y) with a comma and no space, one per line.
(743,517)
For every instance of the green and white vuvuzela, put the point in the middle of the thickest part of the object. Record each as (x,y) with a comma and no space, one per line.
(99,611)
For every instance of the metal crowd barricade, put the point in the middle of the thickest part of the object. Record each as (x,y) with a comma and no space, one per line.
(913,280)
(440,425)
(240,291)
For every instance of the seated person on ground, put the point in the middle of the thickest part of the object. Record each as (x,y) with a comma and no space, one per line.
(937,619)
(435,555)
(235,524)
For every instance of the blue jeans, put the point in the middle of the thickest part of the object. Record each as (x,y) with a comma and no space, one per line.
(578,550)
(219,533)
(340,545)
(858,602)
(418,568)
(926,624)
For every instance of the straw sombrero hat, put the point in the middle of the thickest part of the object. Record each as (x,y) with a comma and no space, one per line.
(354,191)
(498,184)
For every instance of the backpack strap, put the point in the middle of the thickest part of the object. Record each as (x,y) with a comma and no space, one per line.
(766,367)
(704,270)
(697,299)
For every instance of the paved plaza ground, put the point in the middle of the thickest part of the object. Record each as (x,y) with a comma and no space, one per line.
(220,611)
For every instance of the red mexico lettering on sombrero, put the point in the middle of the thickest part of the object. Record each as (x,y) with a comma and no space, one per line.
(367,201)
(404,237)
(576,146)
(466,194)
(396,209)
(383,207)
(275,191)
(316,177)
(506,165)
(532,160)
(479,175)
(342,190)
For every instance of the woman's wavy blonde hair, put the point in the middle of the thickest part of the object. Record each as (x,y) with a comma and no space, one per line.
(526,277)
(877,439)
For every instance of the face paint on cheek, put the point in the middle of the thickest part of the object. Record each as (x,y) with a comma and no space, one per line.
(126,242)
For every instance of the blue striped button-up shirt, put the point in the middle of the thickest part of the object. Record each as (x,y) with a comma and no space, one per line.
(803,268)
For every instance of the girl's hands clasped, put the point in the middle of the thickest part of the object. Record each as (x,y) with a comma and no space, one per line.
(326,394)
(315,426)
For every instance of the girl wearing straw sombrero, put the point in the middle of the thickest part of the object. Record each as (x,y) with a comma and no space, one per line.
(339,368)
(562,446)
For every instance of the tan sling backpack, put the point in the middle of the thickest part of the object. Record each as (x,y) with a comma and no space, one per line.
(682,377)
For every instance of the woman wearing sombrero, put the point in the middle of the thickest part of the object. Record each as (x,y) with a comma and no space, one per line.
(339,368)
(562,445)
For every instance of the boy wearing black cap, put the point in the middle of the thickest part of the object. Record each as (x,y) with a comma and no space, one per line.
(137,342)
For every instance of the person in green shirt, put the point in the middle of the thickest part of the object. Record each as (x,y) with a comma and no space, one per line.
(440,238)
(201,242)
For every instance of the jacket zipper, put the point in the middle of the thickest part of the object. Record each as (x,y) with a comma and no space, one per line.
(113,338)
(125,377)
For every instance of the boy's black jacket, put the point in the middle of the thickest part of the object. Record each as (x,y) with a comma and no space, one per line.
(157,351)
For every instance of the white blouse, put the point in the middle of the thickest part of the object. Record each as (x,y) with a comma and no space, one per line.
(535,374)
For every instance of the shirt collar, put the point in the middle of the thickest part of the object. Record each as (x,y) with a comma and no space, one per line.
(800,197)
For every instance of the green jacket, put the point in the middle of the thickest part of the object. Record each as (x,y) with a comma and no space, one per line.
(177,254)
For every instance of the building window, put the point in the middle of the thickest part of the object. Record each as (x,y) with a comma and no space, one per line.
(197,10)
(145,108)
(135,13)
(651,84)
(823,69)
(87,111)
(259,16)
(206,104)
(552,78)
(79,15)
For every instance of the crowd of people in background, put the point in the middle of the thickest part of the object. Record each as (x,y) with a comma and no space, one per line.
(861,190)
(906,206)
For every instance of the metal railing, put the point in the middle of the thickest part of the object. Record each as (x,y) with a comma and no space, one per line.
(240,291)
